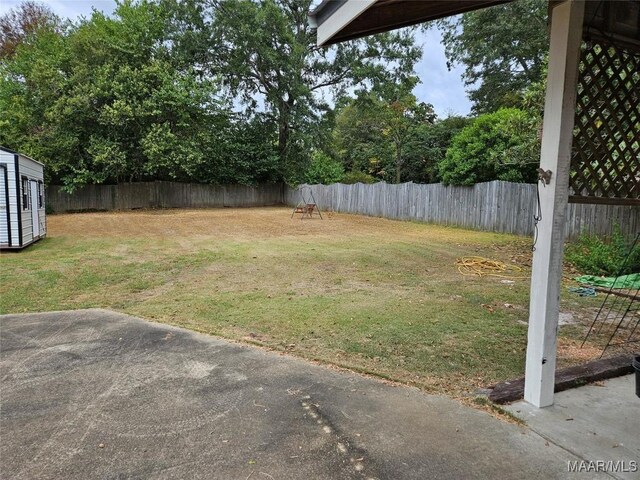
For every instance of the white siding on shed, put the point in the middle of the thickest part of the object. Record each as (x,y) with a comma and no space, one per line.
(4,207)
(8,159)
(32,170)
(20,219)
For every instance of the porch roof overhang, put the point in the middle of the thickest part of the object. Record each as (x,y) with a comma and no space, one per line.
(340,20)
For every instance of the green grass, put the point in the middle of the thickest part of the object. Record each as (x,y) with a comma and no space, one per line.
(371,295)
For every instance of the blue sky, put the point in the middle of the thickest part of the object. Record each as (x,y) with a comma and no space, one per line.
(440,87)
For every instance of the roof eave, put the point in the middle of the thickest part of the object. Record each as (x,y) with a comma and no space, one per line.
(341,20)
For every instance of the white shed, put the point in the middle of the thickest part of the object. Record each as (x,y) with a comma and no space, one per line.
(22,214)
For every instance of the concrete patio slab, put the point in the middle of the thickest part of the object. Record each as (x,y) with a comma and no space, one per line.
(597,423)
(96,394)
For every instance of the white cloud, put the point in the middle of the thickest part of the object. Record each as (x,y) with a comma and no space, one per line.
(442,88)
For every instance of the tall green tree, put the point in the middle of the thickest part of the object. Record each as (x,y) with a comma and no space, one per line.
(400,117)
(266,53)
(502,48)
(376,132)
(32,79)
(103,102)
(357,140)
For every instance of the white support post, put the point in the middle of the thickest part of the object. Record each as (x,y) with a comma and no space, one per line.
(557,136)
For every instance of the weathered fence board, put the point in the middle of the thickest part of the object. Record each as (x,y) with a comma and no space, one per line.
(162,195)
(494,206)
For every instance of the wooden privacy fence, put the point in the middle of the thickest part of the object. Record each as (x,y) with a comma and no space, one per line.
(162,195)
(493,206)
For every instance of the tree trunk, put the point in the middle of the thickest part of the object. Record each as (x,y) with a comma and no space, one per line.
(283,131)
(398,162)
(283,138)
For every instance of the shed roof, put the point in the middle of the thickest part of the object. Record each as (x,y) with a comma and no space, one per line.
(8,150)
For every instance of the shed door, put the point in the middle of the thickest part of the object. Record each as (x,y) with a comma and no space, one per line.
(34,209)
(4,208)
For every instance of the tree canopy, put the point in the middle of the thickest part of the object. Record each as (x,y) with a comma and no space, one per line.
(503,50)
(265,54)
(20,25)
(236,91)
(376,132)
(164,89)
(103,103)
(500,145)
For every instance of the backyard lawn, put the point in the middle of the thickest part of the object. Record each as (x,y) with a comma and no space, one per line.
(372,295)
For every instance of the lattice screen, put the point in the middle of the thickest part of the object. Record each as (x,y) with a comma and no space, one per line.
(605,164)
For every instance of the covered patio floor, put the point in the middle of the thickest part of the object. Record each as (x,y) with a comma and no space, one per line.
(599,422)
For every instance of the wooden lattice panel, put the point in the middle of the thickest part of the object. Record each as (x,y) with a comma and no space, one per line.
(605,163)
